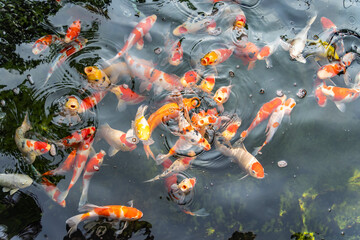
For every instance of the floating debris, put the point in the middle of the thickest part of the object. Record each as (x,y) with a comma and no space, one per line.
(282,163)
(158,50)
(279,93)
(301,93)
(29,78)
(262,91)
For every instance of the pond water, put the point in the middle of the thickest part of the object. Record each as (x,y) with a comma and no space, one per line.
(316,193)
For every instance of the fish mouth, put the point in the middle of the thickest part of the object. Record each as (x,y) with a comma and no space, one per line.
(204,62)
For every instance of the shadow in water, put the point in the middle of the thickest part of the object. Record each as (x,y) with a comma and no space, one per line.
(20,215)
(243,236)
(105,229)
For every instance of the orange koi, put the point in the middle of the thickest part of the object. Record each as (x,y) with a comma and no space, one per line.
(52,191)
(176,53)
(267,51)
(332,69)
(222,94)
(232,128)
(73,31)
(137,34)
(319,96)
(66,166)
(240,21)
(92,166)
(216,57)
(190,78)
(97,78)
(264,113)
(339,95)
(186,185)
(43,43)
(116,212)
(208,83)
(327,24)
(248,54)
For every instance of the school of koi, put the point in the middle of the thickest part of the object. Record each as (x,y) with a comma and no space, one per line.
(191,110)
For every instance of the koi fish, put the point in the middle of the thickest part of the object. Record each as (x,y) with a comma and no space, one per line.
(140,128)
(267,51)
(151,75)
(196,24)
(232,128)
(340,96)
(190,78)
(332,69)
(222,94)
(208,83)
(66,166)
(275,121)
(247,53)
(297,45)
(117,212)
(97,78)
(243,158)
(327,24)
(52,191)
(137,34)
(319,96)
(65,53)
(43,43)
(92,166)
(83,151)
(115,138)
(176,53)
(92,100)
(72,105)
(126,96)
(13,182)
(78,137)
(186,185)
(73,31)
(240,20)
(264,113)
(179,165)
(217,56)
(28,147)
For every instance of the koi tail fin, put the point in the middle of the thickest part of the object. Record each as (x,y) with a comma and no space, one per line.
(62,196)
(148,152)
(84,195)
(256,151)
(199,213)
(73,222)
(153,179)
(160,158)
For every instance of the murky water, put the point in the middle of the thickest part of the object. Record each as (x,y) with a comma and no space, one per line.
(317,192)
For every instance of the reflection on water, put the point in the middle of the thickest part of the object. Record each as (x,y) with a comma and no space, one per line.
(315,195)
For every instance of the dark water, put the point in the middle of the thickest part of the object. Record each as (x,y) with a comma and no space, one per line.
(318,192)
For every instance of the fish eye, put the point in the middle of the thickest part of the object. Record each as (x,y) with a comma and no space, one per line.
(96,80)
(253,171)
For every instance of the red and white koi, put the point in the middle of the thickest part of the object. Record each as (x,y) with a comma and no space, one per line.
(176,53)
(217,56)
(222,95)
(78,137)
(126,96)
(264,113)
(340,95)
(92,166)
(65,53)
(275,121)
(327,24)
(137,35)
(186,185)
(52,191)
(83,151)
(196,24)
(179,165)
(116,212)
(66,166)
(43,43)
(243,158)
(92,100)
(240,20)
(115,138)
(73,31)
(28,147)
(319,96)
(151,75)
(232,128)
(267,51)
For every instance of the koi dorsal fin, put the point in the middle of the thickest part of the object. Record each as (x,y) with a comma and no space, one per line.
(87,207)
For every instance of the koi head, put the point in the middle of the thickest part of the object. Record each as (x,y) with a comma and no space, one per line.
(289,105)
(209,59)
(72,105)
(348,58)
(97,79)
(208,83)
(187,185)
(264,52)
(39,147)
(222,94)
(132,214)
(239,21)
(176,54)
(189,78)
(320,97)
(191,103)
(73,31)
(152,19)
(329,70)
(256,170)
(327,23)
